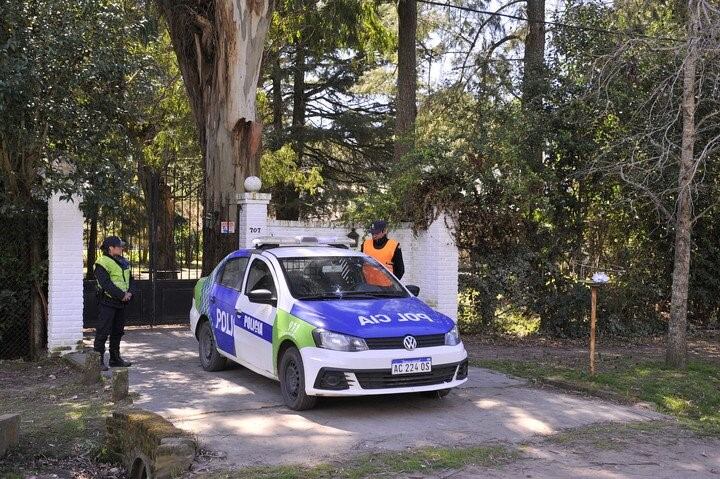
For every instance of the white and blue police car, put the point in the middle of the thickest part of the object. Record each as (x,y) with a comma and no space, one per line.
(324,321)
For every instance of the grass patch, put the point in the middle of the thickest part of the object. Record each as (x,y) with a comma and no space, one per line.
(607,436)
(387,464)
(59,416)
(693,396)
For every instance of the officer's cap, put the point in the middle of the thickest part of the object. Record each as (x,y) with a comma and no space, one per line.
(112,241)
(378,227)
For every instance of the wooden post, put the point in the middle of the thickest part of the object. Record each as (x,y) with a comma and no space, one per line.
(593,312)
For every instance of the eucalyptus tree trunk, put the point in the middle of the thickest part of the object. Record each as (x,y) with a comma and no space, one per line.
(405,103)
(219,46)
(676,354)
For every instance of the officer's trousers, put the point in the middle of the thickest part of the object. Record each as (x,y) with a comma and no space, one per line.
(111,322)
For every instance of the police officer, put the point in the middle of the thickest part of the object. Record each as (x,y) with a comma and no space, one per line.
(113,275)
(386,251)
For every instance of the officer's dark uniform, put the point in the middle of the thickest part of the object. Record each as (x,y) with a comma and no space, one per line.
(114,279)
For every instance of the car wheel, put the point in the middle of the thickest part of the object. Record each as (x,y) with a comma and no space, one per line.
(210,358)
(440,393)
(292,381)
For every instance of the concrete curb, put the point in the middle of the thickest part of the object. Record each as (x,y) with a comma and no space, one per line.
(9,431)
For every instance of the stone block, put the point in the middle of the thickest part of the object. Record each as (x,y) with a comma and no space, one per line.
(173,457)
(120,384)
(9,431)
(92,373)
(142,438)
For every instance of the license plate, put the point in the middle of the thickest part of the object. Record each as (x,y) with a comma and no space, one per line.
(411,366)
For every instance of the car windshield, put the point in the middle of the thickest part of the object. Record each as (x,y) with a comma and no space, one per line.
(339,277)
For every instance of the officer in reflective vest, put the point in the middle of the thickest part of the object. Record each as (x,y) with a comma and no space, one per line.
(385,250)
(114,278)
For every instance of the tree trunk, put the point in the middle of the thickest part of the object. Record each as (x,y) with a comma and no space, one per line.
(405,105)
(219,47)
(533,86)
(92,244)
(676,355)
(299,103)
(37,299)
(534,58)
(160,207)
(287,198)
(277,103)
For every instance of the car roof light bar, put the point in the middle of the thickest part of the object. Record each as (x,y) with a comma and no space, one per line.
(278,241)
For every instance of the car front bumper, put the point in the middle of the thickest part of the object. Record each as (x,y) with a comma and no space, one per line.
(363,373)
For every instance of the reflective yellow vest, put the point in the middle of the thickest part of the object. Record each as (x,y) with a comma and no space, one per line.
(120,277)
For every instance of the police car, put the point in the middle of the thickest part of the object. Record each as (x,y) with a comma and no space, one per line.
(324,320)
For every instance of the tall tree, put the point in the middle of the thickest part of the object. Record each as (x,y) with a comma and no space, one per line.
(677,327)
(61,73)
(534,80)
(219,46)
(662,132)
(405,103)
(326,128)
(534,57)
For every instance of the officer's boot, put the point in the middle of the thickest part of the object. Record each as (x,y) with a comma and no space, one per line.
(116,361)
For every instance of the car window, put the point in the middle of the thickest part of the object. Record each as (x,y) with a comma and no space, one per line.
(233,273)
(339,277)
(259,277)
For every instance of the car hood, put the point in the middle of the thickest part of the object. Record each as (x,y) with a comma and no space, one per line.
(373,318)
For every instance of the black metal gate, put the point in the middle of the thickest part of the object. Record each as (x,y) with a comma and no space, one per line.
(162,225)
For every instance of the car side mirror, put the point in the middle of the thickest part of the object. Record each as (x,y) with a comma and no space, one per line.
(262,296)
(415,290)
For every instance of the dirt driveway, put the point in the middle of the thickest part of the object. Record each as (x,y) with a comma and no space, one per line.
(239,416)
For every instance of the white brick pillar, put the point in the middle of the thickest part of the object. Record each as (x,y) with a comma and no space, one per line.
(439,261)
(252,217)
(65,275)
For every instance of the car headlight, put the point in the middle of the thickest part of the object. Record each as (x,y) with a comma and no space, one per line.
(452,337)
(337,341)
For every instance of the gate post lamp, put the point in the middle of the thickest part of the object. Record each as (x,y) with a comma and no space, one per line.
(353,235)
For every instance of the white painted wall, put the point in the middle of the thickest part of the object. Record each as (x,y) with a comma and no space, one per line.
(431,257)
(431,260)
(65,275)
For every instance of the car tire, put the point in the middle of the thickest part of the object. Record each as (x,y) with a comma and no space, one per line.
(439,394)
(292,381)
(210,358)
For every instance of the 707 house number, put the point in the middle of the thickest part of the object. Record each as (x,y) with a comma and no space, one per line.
(255,230)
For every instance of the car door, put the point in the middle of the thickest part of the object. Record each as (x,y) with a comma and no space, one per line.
(253,330)
(223,303)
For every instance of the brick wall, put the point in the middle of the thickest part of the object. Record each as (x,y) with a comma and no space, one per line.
(65,275)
